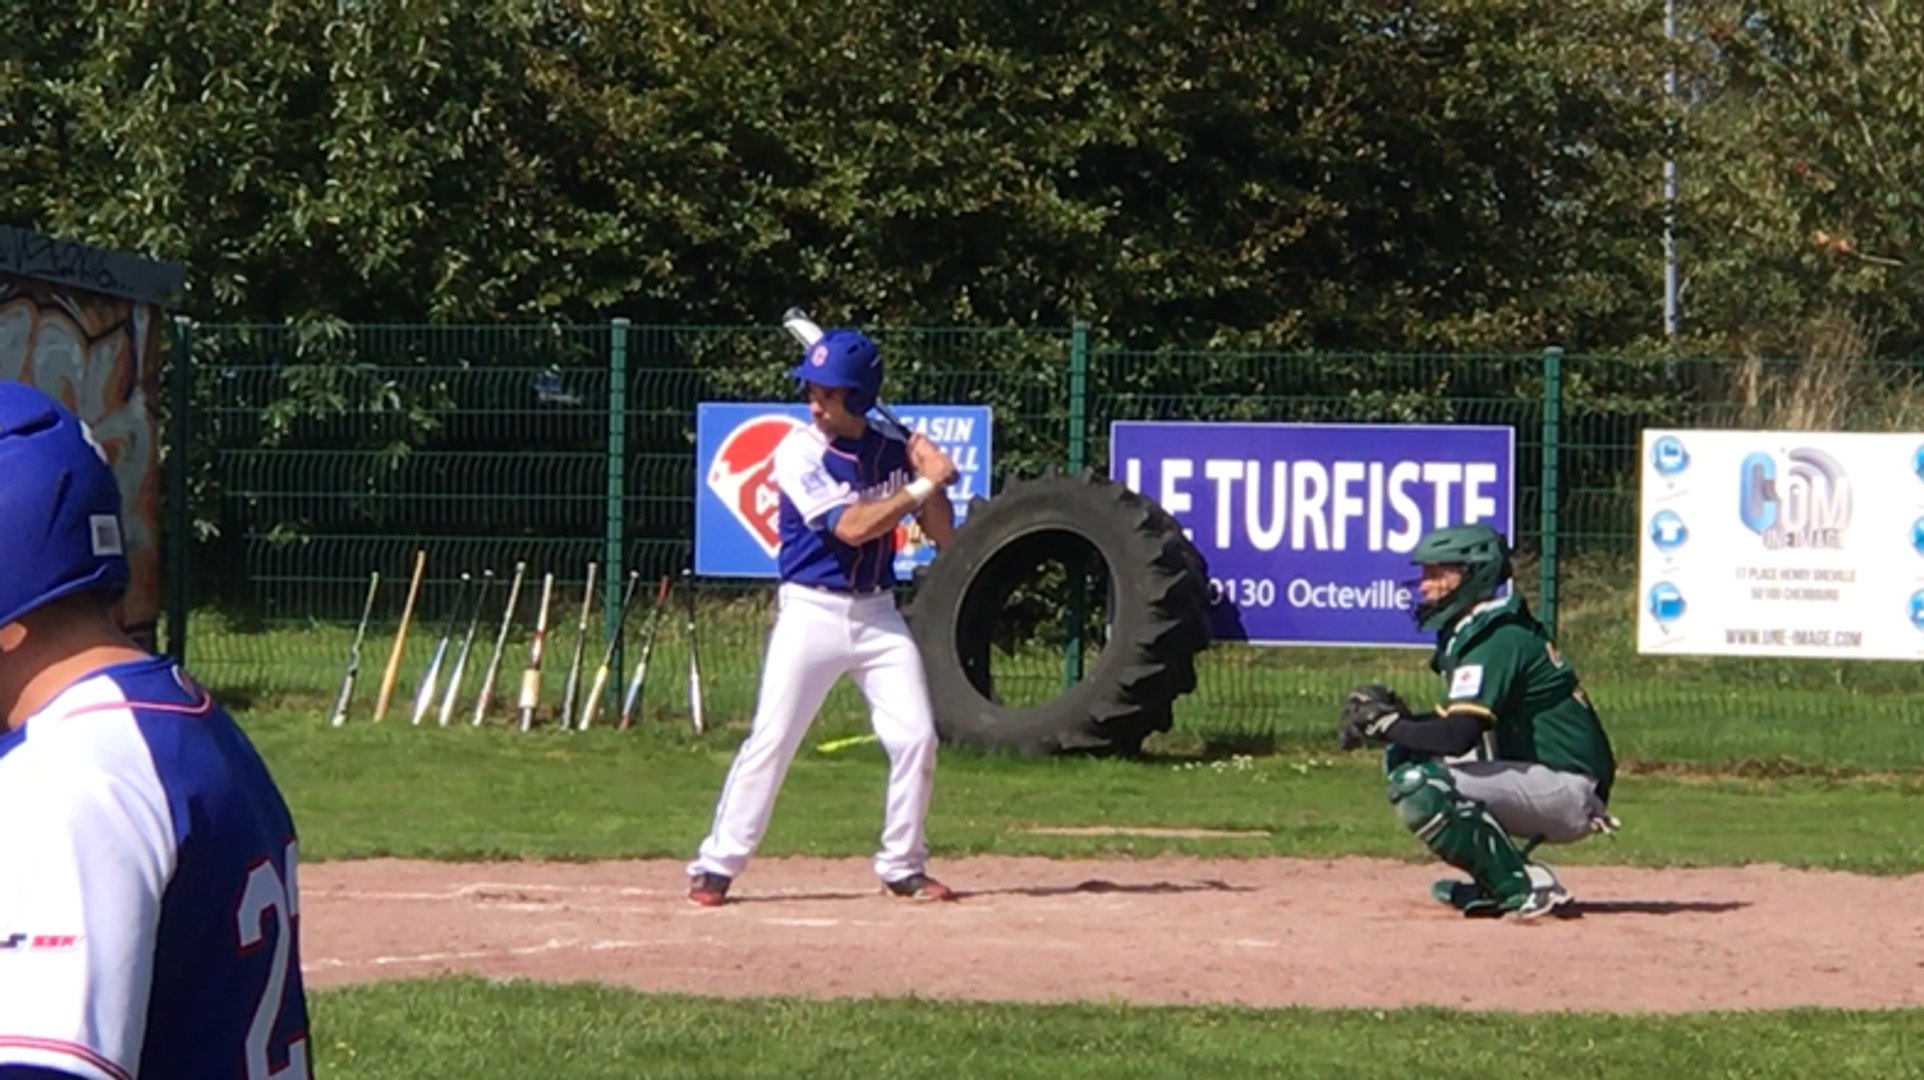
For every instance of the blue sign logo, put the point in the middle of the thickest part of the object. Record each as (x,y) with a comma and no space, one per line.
(1917,536)
(1666,602)
(737,505)
(1806,505)
(1917,609)
(1667,530)
(1668,456)
(1917,463)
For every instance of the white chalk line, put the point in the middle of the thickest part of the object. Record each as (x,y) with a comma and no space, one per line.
(554,945)
(500,897)
(482,888)
(475,888)
(327,963)
(565,907)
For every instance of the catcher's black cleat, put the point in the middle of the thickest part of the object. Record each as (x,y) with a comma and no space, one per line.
(1467,897)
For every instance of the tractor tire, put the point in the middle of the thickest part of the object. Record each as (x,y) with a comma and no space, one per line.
(1158,617)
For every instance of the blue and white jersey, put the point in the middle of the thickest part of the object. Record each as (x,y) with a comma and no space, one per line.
(149,917)
(819,477)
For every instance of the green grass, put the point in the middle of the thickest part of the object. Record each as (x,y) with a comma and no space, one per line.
(1725,763)
(466,793)
(466,1029)
(1702,714)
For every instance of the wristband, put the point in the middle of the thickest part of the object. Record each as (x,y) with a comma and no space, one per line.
(920,489)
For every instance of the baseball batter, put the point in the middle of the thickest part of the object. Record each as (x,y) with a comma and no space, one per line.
(843,486)
(1545,767)
(148,908)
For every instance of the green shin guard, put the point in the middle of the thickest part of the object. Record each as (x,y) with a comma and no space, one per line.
(1459,830)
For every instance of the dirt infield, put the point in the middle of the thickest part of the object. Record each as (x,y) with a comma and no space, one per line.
(1347,932)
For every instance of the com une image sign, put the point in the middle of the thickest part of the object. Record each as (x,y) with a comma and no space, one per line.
(1781,543)
(1308,528)
(737,505)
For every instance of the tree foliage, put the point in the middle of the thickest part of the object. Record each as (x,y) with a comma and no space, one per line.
(1350,174)
(1807,209)
(1293,173)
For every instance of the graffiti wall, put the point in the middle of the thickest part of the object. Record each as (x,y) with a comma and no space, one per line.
(99,354)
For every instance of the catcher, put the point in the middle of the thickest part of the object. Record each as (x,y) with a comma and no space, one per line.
(1546,767)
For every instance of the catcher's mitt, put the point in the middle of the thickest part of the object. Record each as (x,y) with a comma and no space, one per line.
(1368,712)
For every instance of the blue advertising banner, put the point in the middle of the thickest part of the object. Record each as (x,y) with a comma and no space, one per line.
(735,498)
(1307,528)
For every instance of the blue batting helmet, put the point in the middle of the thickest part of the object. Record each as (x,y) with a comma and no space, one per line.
(60,530)
(845,358)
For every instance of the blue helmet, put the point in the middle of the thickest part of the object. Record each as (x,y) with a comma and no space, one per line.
(60,528)
(845,358)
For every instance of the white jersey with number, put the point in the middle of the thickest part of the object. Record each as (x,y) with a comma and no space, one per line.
(148,908)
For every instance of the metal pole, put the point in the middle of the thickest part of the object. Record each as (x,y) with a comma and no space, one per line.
(1672,314)
(1550,521)
(614,538)
(177,530)
(1077,566)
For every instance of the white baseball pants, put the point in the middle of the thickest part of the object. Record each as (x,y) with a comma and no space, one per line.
(819,636)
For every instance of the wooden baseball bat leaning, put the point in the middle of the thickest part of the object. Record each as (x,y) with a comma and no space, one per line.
(467,646)
(573,684)
(694,658)
(531,675)
(424,695)
(493,673)
(353,672)
(633,696)
(592,706)
(393,671)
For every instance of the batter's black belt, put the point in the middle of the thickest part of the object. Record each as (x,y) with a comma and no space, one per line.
(843,590)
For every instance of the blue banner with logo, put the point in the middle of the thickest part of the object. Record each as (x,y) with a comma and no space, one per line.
(735,497)
(1307,528)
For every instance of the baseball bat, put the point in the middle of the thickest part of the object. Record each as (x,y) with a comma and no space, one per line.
(353,672)
(531,675)
(835,746)
(500,646)
(633,695)
(467,647)
(393,672)
(694,658)
(808,332)
(573,684)
(424,695)
(592,705)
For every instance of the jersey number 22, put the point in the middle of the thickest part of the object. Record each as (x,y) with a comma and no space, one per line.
(267,894)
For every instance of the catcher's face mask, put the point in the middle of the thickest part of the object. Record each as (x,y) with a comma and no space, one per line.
(1463,565)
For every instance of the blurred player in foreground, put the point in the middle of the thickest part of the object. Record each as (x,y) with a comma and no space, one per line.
(844,485)
(148,909)
(1546,767)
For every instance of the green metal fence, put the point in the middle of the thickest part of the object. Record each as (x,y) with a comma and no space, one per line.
(319,455)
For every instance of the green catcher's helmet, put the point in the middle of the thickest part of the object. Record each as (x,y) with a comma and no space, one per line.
(1485,559)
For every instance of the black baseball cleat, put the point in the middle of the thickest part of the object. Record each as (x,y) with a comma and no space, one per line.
(709,890)
(919,887)
(1467,897)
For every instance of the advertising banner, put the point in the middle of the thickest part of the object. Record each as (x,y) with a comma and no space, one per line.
(736,504)
(1307,528)
(1762,543)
